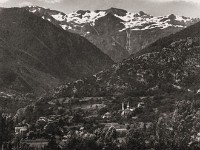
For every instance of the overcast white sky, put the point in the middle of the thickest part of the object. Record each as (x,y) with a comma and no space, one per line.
(154,7)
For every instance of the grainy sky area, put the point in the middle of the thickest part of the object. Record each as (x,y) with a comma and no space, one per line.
(154,7)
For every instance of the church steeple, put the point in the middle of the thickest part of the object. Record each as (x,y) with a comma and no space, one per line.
(128,106)
(74,90)
(122,106)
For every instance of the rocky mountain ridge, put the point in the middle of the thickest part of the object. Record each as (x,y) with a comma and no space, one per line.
(116,32)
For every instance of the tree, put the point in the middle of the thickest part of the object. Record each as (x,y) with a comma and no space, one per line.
(179,129)
(135,140)
(52,145)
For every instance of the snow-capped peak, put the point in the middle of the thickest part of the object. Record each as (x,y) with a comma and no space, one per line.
(133,21)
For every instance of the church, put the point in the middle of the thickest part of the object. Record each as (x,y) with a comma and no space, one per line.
(126,112)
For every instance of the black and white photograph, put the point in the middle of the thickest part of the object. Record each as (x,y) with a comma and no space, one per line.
(99,74)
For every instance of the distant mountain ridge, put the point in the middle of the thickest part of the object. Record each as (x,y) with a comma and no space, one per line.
(116,32)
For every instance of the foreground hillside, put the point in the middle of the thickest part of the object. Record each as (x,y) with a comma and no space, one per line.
(116,32)
(36,56)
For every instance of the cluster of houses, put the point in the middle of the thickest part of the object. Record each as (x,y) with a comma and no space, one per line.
(37,144)
(125,111)
(20,130)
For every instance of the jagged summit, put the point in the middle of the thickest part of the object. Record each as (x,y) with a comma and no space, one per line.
(142,13)
(82,12)
(172,17)
(116,11)
(113,11)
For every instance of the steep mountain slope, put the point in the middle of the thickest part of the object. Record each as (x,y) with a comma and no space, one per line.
(168,65)
(36,56)
(116,32)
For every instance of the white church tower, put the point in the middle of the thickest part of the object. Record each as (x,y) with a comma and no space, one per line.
(122,106)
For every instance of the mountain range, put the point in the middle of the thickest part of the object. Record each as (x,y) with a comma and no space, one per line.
(116,32)
(43,49)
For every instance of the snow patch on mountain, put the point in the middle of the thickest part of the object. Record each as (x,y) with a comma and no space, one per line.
(64,27)
(59,17)
(88,17)
(145,22)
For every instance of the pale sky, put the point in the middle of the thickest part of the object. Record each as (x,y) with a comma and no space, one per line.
(189,8)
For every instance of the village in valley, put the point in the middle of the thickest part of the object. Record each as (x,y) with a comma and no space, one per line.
(81,115)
